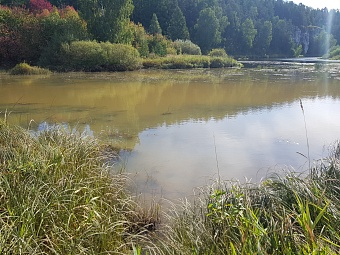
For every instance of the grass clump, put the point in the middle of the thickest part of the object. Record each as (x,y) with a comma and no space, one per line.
(189,61)
(57,196)
(281,215)
(26,69)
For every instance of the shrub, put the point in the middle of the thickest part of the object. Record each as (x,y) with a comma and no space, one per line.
(335,53)
(218,53)
(218,62)
(158,44)
(140,39)
(187,47)
(26,69)
(171,51)
(120,57)
(94,56)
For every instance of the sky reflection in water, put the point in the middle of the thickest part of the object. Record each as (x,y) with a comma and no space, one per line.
(174,124)
(174,159)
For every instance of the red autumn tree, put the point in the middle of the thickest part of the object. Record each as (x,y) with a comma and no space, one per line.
(37,6)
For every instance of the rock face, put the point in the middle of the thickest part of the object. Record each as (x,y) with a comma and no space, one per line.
(301,37)
(305,37)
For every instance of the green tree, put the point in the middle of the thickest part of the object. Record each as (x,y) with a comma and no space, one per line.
(282,42)
(140,39)
(154,27)
(177,27)
(60,26)
(248,33)
(263,38)
(209,29)
(107,20)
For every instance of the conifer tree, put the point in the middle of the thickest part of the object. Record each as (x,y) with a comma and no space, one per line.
(155,28)
(177,27)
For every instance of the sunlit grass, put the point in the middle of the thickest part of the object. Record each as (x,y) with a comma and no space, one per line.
(189,62)
(26,69)
(282,215)
(57,196)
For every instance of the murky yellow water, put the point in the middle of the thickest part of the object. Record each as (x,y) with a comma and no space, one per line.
(182,128)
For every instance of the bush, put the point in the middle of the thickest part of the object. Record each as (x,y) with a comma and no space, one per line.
(140,39)
(82,55)
(218,53)
(26,69)
(335,53)
(121,57)
(187,47)
(158,44)
(94,56)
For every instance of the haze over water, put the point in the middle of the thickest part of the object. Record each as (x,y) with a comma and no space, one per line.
(178,129)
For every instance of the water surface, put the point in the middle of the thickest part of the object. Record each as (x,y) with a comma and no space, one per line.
(181,129)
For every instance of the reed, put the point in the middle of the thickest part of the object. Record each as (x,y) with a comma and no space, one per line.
(58,196)
(288,214)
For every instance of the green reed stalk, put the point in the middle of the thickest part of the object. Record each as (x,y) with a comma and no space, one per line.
(307,140)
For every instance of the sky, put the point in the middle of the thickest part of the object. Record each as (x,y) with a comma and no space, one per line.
(330,4)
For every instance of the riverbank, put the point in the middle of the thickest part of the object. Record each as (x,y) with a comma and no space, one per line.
(167,62)
(58,196)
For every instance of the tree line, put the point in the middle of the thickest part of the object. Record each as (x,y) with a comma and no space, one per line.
(34,30)
(245,27)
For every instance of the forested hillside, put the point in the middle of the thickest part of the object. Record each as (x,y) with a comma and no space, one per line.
(244,27)
(252,28)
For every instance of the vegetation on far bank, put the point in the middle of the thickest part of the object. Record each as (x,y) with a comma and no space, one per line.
(39,32)
(26,69)
(91,56)
(190,61)
(334,53)
(58,196)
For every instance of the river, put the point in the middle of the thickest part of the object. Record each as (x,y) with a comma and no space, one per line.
(180,129)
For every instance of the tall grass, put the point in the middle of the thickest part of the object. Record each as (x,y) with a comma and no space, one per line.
(57,196)
(287,214)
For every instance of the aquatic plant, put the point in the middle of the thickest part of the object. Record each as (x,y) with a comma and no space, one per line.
(26,69)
